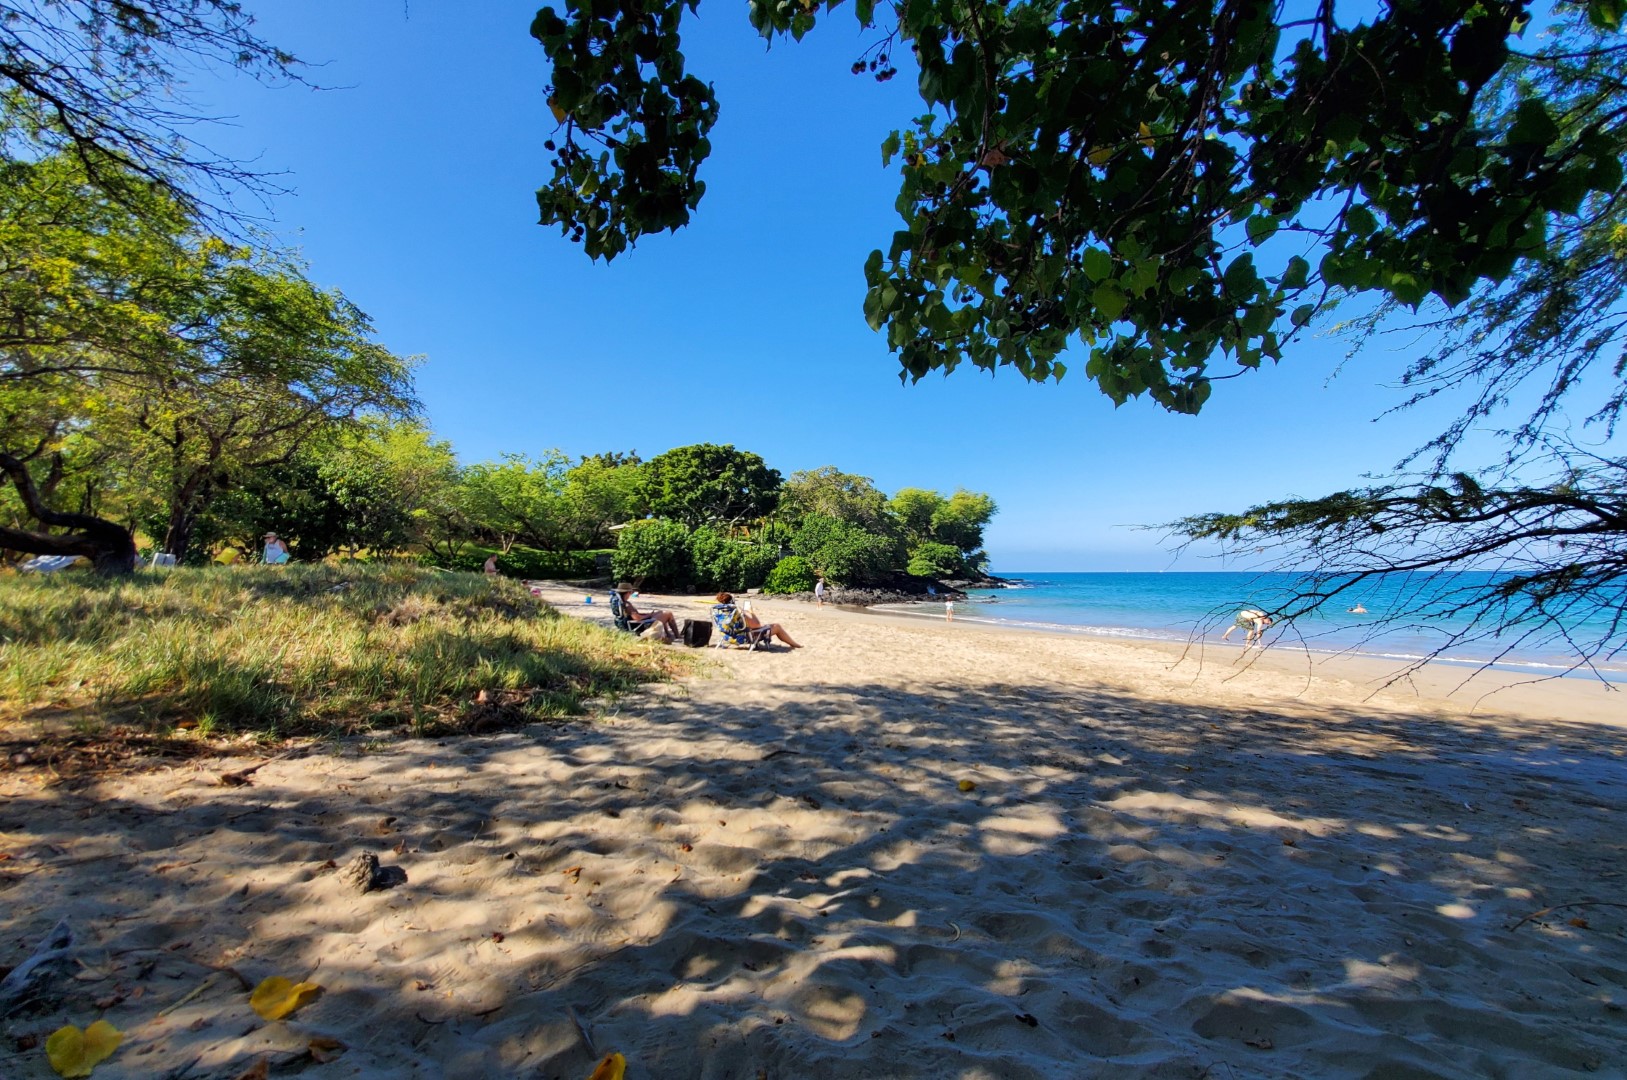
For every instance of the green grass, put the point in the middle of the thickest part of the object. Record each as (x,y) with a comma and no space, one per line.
(303,650)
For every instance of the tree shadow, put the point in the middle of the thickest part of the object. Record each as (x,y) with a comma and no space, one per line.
(803,888)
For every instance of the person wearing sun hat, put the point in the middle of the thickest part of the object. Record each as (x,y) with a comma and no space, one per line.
(644,620)
(276,552)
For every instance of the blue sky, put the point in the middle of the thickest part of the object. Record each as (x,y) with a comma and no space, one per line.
(411,187)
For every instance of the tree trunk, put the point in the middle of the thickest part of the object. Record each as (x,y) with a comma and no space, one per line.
(109,546)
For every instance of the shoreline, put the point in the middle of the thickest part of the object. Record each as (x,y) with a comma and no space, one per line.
(1280,671)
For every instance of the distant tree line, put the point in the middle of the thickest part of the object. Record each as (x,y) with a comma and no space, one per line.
(720,518)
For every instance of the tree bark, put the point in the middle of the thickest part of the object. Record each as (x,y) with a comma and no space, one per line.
(110,547)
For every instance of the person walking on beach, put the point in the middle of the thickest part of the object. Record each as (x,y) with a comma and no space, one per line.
(948,611)
(819,591)
(1253,620)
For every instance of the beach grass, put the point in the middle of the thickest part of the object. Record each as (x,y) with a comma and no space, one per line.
(303,650)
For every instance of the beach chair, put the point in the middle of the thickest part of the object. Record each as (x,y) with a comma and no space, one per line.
(619,613)
(732,630)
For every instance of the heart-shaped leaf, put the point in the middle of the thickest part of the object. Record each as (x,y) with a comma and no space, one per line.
(74,1053)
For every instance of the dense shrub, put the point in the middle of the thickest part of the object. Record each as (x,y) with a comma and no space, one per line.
(521,562)
(724,563)
(655,554)
(792,574)
(932,559)
(844,553)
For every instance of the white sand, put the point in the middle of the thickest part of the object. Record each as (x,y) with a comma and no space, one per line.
(771,872)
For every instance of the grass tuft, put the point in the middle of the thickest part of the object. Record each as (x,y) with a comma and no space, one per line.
(302,650)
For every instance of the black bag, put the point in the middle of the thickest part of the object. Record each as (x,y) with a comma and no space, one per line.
(697,632)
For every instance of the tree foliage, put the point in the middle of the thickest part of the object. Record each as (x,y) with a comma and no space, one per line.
(190,359)
(1170,182)
(706,484)
(832,493)
(97,81)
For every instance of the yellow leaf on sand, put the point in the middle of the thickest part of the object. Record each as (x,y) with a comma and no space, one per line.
(967,785)
(559,114)
(276,997)
(613,1067)
(74,1053)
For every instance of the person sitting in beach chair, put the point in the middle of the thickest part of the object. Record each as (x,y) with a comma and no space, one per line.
(738,627)
(634,621)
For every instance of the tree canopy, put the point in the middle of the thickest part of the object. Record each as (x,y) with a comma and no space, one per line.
(1171,183)
(96,81)
(189,359)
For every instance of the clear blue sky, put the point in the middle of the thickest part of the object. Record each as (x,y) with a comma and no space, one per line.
(412,189)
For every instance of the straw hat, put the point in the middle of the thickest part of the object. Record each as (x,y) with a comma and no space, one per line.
(624,587)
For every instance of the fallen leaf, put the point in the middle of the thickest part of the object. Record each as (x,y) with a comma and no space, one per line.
(276,997)
(1579,922)
(686,847)
(26,1042)
(967,785)
(325,1048)
(613,1067)
(73,1052)
(497,936)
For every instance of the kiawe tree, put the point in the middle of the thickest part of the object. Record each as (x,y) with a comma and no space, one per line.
(1175,190)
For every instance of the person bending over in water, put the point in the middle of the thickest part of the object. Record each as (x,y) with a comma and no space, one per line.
(1252,620)
(756,625)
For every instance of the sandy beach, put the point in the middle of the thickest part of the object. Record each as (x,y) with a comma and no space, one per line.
(909,849)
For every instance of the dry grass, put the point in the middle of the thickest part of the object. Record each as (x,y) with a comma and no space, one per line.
(301,650)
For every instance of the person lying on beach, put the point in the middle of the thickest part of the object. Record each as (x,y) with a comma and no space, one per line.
(1252,620)
(641,621)
(754,626)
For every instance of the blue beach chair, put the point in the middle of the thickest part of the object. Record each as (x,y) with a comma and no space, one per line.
(732,630)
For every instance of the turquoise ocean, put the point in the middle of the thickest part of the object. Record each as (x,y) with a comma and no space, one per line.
(1193,607)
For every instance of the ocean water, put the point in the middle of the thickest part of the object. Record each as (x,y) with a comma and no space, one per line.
(1193,607)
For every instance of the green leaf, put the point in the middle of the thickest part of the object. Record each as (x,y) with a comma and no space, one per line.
(1260,228)
(1532,125)
(889,147)
(1302,314)
(1606,14)
(1109,301)
(1360,221)
(1098,264)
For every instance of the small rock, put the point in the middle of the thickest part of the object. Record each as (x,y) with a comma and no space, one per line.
(364,874)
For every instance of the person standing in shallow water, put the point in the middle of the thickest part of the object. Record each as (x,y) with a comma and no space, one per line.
(819,591)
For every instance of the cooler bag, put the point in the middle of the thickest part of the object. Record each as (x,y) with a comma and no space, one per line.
(697,632)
